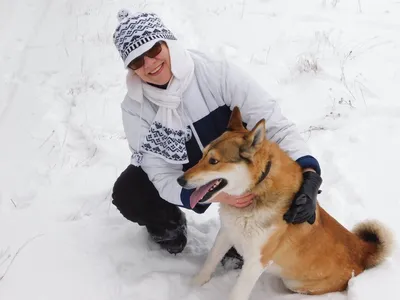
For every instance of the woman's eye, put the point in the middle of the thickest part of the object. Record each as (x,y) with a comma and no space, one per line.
(213,161)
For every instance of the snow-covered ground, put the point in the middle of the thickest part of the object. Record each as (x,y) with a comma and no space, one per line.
(333,65)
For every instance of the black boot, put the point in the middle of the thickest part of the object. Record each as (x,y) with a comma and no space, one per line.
(232,258)
(138,200)
(174,239)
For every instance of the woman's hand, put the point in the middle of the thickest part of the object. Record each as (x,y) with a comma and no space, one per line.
(237,201)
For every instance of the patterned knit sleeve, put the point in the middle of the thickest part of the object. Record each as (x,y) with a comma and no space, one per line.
(161,173)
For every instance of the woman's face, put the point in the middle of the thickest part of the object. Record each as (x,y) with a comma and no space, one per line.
(156,70)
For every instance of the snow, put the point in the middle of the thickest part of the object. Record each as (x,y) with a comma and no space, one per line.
(332,65)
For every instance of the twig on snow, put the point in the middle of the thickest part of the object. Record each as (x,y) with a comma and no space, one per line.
(13,203)
(16,254)
(3,253)
(344,80)
(46,140)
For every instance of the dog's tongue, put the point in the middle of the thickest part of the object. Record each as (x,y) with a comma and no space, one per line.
(199,193)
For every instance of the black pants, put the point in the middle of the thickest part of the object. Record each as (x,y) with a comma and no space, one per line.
(138,200)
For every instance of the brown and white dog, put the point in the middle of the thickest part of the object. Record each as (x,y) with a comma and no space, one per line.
(311,259)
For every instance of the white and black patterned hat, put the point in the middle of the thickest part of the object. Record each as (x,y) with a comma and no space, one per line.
(137,33)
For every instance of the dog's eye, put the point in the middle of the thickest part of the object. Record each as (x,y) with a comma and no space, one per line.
(213,161)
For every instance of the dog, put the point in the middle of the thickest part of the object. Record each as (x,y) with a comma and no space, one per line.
(310,259)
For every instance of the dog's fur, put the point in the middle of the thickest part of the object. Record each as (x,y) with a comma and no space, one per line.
(311,259)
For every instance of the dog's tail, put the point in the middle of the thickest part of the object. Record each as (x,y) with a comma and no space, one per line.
(374,232)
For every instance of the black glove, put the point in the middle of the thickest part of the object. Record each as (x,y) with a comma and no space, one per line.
(305,200)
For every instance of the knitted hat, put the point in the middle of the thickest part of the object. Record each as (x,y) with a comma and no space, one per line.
(137,33)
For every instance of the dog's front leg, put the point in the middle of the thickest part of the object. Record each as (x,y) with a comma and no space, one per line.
(251,271)
(221,245)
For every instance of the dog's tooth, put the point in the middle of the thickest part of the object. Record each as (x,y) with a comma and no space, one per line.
(215,185)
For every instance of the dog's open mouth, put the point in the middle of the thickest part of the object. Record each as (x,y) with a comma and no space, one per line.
(206,191)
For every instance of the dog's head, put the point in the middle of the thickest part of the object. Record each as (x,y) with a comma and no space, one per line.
(232,163)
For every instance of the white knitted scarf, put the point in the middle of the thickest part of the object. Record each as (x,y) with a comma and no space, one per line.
(167,134)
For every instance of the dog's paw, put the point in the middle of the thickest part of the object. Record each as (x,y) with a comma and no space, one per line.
(200,279)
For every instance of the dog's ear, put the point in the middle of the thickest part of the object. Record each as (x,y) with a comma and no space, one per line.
(257,135)
(253,140)
(235,121)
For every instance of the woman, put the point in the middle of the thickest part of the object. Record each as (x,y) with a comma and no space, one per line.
(177,102)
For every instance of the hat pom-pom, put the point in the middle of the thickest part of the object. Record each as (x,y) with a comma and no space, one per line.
(122,14)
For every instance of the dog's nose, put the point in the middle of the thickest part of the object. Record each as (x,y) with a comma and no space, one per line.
(182,181)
